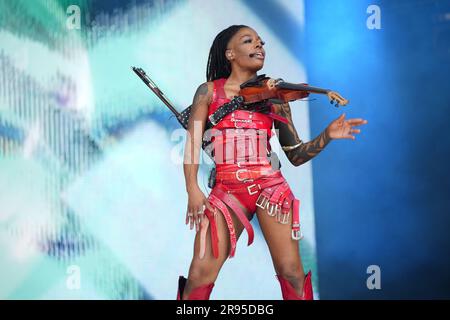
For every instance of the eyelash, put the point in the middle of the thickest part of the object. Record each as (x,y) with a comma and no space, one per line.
(249,41)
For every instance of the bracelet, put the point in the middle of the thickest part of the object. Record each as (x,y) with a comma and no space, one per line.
(289,148)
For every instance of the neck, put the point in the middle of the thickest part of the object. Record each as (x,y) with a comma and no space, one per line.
(240,76)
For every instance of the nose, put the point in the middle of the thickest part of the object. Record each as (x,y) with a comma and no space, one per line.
(259,44)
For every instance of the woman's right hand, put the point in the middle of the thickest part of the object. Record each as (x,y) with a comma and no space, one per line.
(197,202)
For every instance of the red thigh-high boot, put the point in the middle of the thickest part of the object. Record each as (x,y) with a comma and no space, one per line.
(289,292)
(200,293)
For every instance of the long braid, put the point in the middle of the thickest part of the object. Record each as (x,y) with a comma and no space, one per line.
(218,66)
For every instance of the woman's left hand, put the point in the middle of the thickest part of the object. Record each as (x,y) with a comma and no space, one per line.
(343,129)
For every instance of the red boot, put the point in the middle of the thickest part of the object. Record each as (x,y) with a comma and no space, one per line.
(289,292)
(200,293)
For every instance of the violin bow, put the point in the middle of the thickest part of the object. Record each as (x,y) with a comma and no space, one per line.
(182,117)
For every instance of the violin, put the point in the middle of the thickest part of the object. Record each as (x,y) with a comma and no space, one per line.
(278,91)
(258,89)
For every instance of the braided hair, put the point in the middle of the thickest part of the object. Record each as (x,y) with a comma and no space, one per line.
(218,66)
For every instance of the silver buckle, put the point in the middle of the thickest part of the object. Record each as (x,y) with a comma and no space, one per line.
(211,119)
(271,208)
(237,174)
(284,218)
(297,234)
(250,192)
(262,201)
(240,120)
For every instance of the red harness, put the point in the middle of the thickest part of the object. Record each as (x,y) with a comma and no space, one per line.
(244,173)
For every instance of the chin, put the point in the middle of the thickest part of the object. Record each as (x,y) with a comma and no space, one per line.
(258,66)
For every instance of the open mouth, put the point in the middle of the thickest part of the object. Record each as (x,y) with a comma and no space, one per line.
(258,55)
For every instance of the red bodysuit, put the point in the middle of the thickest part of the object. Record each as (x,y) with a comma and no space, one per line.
(241,145)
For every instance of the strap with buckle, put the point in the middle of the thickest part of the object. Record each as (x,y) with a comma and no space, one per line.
(251,189)
(279,192)
(296,233)
(226,214)
(275,179)
(228,200)
(243,175)
(223,110)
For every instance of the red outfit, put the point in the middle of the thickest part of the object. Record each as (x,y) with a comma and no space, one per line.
(241,143)
(244,172)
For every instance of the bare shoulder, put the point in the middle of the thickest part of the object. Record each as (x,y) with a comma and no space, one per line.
(204,93)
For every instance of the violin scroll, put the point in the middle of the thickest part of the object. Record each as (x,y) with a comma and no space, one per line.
(336,98)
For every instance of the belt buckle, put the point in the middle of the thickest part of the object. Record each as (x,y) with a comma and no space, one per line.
(296,234)
(262,201)
(237,174)
(240,120)
(211,118)
(249,189)
(235,123)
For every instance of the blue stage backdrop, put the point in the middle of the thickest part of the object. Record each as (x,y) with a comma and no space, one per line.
(383,199)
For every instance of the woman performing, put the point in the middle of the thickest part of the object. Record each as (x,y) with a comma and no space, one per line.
(246,181)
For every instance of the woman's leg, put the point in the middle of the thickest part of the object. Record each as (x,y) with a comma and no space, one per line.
(205,271)
(283,249)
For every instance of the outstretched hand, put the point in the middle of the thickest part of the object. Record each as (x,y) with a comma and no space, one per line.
(343,129)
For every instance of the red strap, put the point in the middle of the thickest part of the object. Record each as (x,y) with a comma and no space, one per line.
(279,191)
(246,120)
(296,234)
(286,206)
(295,215)
(225,197)
(278,117)
(214,238)
(220,91)
(273,181)
(223,208)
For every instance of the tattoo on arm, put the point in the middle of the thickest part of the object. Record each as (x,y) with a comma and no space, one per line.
(200,97)
(288,136)
(199,112)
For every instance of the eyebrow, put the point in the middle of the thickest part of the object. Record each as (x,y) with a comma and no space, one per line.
(249,35)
